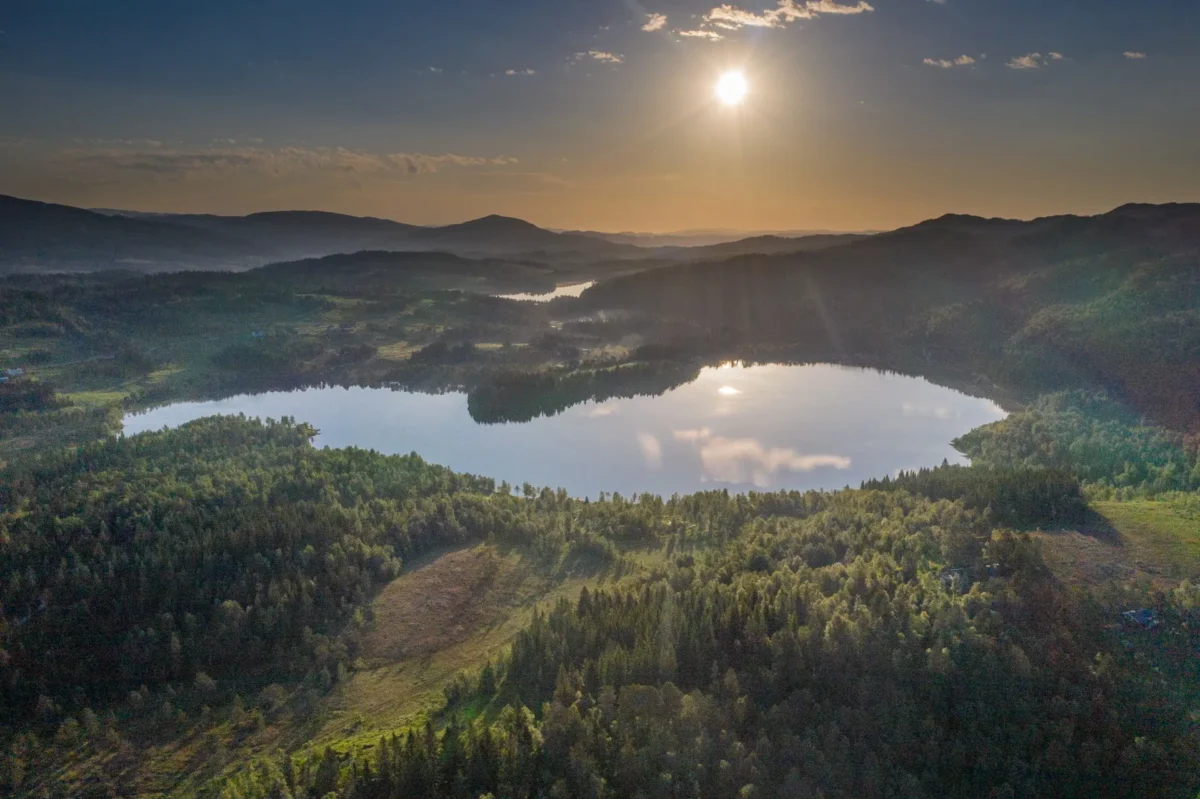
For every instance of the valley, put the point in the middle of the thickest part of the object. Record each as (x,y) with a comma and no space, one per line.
(729,515)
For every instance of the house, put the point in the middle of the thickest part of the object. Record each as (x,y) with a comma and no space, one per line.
(1144,619)
(14,372)
(955,580)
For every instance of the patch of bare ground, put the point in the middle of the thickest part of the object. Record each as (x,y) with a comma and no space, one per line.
(444,601)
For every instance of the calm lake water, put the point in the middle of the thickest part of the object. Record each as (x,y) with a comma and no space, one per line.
(565,290)
(742,428)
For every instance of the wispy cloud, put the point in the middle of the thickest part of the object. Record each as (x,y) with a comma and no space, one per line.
(1035,60)
(711,36)
(732,17)
(272,162)
(950,63)
(655,22)
(602,56)
(520,72)
(651,450)
(1134,55)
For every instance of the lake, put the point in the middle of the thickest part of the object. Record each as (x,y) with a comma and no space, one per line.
(741,428)
(564,290)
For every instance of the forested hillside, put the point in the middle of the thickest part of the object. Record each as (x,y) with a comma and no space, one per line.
(818,653)
(1109,301)
(863,643)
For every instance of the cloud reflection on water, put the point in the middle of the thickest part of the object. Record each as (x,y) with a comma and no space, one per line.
(745,461)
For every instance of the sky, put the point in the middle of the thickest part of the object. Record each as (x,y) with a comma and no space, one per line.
(600,114)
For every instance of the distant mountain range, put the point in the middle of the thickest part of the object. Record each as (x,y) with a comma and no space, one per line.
(37,236)
(952,249)
(706,237)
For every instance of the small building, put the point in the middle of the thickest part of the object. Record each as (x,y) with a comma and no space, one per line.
(258,334)
(956,580)
(16,372)
(1144,619)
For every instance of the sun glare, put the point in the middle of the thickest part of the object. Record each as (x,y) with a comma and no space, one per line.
(731,88)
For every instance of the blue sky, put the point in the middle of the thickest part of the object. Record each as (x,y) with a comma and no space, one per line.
(569,113)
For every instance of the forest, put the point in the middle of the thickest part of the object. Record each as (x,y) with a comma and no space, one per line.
(786,644)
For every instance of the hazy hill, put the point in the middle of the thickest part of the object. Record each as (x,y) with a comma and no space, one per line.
(1042,304)
(505,235)
(295,234)
(36,236)
(767,245)
(414,270)
(703,237)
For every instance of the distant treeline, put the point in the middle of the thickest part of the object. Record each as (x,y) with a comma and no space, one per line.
(521,396)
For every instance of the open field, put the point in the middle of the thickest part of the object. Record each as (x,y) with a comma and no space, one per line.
(1153,540)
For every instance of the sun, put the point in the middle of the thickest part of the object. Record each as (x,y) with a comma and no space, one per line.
(731,88)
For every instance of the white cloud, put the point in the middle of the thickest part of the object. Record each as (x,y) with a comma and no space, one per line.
(1133,55)
(711,36)
(600,55)
(950,63)
(831,7)
(601,411)
(520,72)
(732,17)
(929,411)
(1035,60)
(742,461)
(434,70)
(699,434)
(651,450)
(655,22)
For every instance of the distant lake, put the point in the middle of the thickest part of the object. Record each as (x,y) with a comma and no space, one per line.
(565,290)
(742,428)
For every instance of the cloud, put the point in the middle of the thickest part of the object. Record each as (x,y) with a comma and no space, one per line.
(698,434)
(655,22)
(742,461)
(1034,60)
(950,63)
(711,36)
(831,7)
(520,72)
(651,450)
(929,411)
(732,17)
(271,162)
(601,56)
(1133,55)
(434,70)
(601,411)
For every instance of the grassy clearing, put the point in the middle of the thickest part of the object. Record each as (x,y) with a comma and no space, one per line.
(448,613)
(1156,540)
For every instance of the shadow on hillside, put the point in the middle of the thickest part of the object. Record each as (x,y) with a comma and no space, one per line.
(1098,526)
